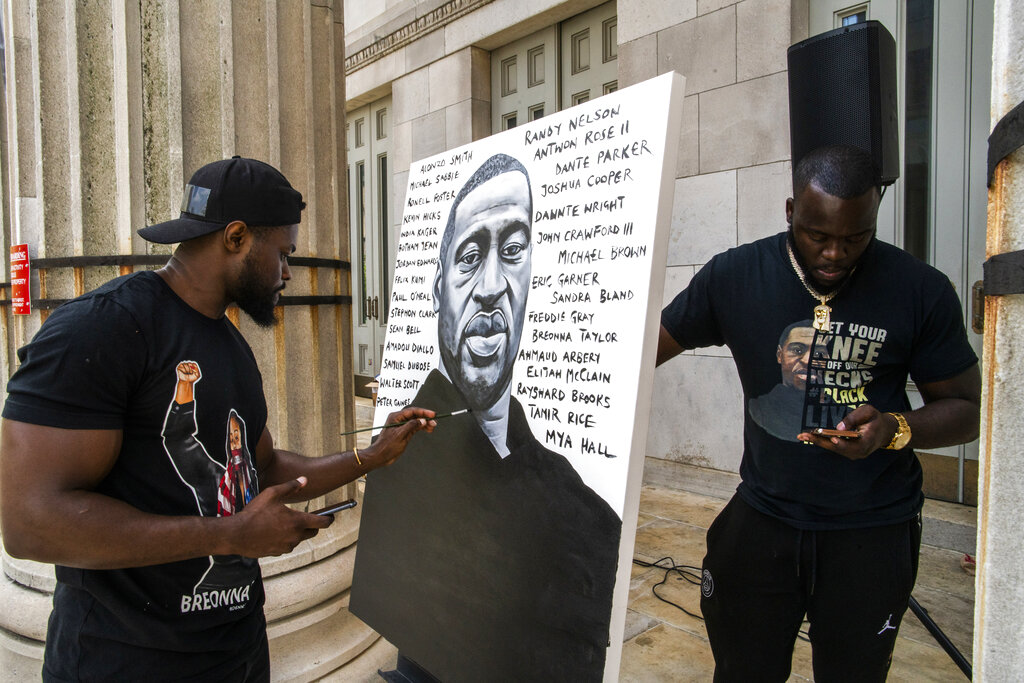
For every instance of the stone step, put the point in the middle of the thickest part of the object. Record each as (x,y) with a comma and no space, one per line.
(950,525)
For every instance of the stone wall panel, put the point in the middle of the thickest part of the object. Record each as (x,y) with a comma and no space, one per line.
(761,195)
(703,218)
(762,37)
(702,49)
(751,124)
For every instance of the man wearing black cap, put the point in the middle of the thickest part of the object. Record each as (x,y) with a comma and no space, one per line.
(135,453)
(829,530)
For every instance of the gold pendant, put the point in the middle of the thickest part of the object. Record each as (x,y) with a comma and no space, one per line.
(822,317)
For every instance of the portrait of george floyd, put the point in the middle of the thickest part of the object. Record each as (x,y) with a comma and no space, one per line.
(491,550)
(780,412)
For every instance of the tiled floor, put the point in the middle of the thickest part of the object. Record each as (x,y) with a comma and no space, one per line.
(665,644)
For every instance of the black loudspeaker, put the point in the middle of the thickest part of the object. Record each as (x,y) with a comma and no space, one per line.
(842,91)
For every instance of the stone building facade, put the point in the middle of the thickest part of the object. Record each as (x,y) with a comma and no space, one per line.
(439,68)
(111,105)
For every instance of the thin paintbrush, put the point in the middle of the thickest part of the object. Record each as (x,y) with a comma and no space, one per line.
(399,424)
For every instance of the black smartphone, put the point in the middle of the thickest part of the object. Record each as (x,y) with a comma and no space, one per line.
(336,507)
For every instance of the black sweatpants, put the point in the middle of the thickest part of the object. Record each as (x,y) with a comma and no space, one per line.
(761,576)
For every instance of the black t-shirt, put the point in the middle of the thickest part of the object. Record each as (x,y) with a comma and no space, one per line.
(112,360)
(894,317)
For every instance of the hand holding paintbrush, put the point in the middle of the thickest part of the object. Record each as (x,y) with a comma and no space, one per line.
(399,424)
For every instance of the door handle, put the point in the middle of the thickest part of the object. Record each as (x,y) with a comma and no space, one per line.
(376,308)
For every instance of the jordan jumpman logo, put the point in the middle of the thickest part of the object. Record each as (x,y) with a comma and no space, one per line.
(887,626)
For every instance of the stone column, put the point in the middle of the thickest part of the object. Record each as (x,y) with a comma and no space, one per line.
(111,105)
(999,601)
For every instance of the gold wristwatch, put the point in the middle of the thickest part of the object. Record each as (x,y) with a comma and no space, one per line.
(902,436)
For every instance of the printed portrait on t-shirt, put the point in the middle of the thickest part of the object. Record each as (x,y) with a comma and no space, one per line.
(780,411)
(824,376)
(236,487)
(221,486)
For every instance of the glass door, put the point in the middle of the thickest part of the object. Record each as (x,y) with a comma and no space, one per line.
(369,194)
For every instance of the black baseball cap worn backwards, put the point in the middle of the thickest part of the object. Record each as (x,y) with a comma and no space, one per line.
(234,189)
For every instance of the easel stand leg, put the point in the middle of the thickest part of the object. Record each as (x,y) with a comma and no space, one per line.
(941,638)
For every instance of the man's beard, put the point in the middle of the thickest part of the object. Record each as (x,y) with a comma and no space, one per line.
(251,294)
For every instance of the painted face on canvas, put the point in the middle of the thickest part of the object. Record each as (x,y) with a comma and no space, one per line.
(481,288)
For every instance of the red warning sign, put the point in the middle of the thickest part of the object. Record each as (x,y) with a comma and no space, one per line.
(20,298)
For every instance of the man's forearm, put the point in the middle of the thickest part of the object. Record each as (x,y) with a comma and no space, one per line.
(331,471)
(944,422)
(93,531)
(324,474)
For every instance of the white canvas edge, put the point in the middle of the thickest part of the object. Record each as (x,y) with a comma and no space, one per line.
(645,380)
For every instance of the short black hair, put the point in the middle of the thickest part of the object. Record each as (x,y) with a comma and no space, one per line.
(493,167)
(785,333)
(840,170)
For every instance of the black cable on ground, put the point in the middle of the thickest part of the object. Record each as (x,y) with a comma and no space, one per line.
(690,574)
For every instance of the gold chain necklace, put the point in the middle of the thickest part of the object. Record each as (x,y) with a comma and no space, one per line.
(822,312)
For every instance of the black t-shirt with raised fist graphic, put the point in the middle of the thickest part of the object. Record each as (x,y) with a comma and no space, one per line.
(186,393)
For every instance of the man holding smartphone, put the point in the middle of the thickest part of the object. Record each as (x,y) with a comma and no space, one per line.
(823,525)
(136,456)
